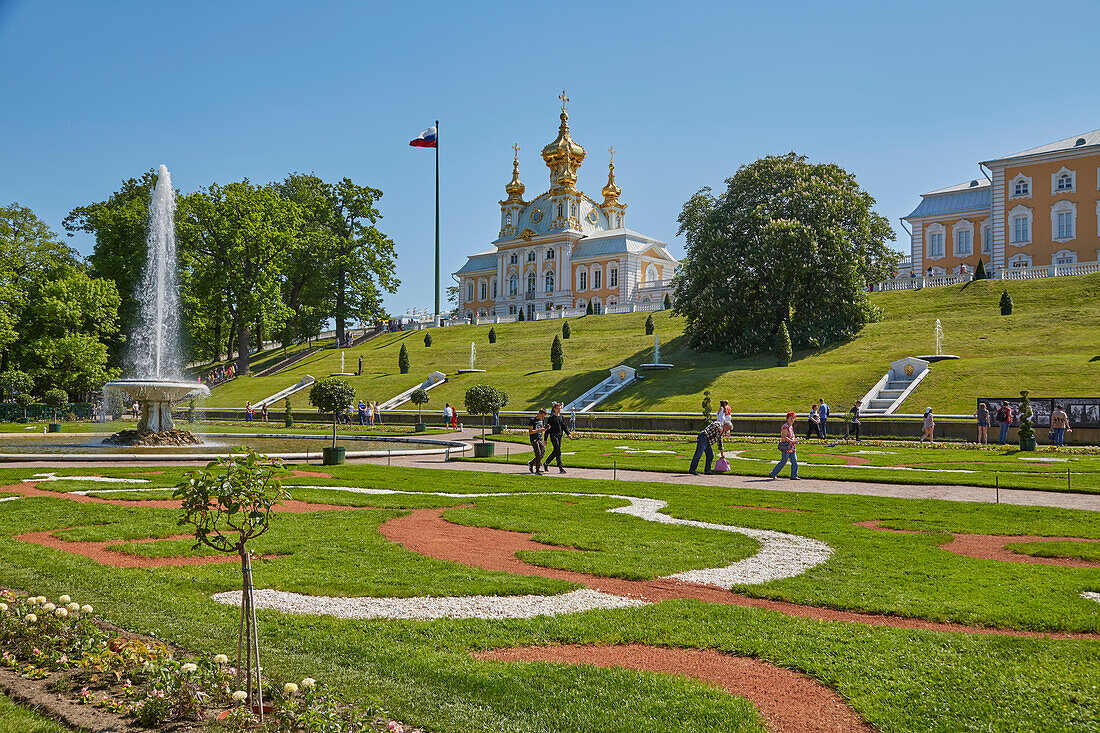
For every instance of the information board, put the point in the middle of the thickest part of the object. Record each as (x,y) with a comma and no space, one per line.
(1084,412)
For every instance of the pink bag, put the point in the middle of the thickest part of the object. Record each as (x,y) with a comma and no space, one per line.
(721,465)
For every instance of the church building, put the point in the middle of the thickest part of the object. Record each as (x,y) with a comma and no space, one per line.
(562,249)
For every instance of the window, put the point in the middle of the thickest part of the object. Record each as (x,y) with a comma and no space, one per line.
(1063,221)
(963,234)
(494,289)
(549,254)
(513,259)
(650,273)
(482,290)
(511,310)
(987,237)
(531,283)
(619,221)
(469,291)
(549,306)
(549,282)
(1020,220)
(573,209)
(596,279)
(1020,261)
(531,256)
(935,244)
(613,277)
(1064,181)
(561,211)
(582,280)
(513,285)
(508,219)
(1065,257)
(1020,187)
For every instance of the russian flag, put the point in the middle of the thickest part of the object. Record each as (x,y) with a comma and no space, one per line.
(425,139)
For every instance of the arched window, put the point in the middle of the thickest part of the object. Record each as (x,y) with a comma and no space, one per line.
(987,237)
(596,276)
(1064,257)
(508,218)
(651,273)
(482,290)
(582,279)
(1063,221)
(469,290)
(613,278)
(1062,181)
(549,282)
(531,283)
(618,221)
(494,287)
(963,235)
(531,256)
(513,285)
(1020,260)
(550,253)
(513,259)
(1020,225)
(573,209)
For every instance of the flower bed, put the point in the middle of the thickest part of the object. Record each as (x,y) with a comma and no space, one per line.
(64,649)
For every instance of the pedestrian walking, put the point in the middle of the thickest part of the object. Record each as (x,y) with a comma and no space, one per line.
(361,412)
(823,417)
(537,434)
(377,414)
(556,430)
(263,412)
(813,423)
(370,413)
(853,418)
(1004,419)
(454,418)
(572,422)
(1059,425)
(710,435)
(929,425)
(360,372)
(982,416)
(248,409)
(725,414)
(787,449)
(447,411)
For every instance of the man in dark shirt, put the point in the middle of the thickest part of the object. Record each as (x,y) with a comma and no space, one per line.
(537,433)
(556,430)
(710,435)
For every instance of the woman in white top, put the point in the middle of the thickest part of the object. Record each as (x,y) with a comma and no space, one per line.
(725,414)
(929,426)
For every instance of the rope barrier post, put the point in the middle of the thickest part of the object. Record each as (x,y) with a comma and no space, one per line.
(388,455)
(1068,484)
(998,475)
(614,470)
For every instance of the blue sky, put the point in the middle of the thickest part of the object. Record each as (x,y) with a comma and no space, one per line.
(907,96)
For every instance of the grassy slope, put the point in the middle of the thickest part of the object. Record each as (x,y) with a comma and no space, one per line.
(899,680)
(1050,339)
(17,719)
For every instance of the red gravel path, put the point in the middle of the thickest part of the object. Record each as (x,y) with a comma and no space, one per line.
(425,532)
(98,551)
(788,701)
(992,546)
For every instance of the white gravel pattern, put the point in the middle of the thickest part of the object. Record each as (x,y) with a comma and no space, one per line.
(427,608)
(1091,596)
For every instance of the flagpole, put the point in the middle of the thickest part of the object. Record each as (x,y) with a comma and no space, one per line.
(437,221)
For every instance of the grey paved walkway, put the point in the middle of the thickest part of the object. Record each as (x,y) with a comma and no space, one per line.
(1090,502)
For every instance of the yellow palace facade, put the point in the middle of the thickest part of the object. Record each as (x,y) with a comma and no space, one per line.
(1034,208)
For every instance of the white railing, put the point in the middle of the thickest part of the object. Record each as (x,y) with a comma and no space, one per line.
(654,284)
(1006,273)
(559,313)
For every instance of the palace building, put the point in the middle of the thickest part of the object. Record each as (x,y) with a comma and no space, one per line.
(562,249)
(1037,207)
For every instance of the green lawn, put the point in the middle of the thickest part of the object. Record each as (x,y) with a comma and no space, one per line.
(1077,550)
(899,680)
(274,425)
(1049,345)
(17,719)
(883,461)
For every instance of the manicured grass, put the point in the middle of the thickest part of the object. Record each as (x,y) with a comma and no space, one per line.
(275,425)
(1079,550)
(899,680)
(1046,345)
(889,462)
(17,719)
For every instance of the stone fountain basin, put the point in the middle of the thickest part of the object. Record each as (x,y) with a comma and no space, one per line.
(156,390)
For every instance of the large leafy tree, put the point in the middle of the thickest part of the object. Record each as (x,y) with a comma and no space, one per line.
(120,226)
(789,241)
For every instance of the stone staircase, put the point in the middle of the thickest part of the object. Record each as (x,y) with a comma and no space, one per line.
(619,378)
(895,386)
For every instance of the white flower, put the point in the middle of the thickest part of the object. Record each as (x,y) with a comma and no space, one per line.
(221,659)
(290,688)
(309,683)
(30,618)
(240,695)
(40,600)
(3,607)
(73,607)
(86,608)
(48,607)
(64,600)
(61,612)
(189,668)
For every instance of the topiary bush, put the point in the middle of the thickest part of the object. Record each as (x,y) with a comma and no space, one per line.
(979,271)
(56,399)
(1006,303)
(419,398)
(492,335)
(783,351)
(566,330)
(589,311)
(668,302)
(1026,433)
(481,399)
(706,403)
(427,340)
(521,316)
(557,354)
(403,360)
(649,325)
(331,394)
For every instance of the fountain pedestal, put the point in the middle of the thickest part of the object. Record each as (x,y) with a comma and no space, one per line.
(155,399)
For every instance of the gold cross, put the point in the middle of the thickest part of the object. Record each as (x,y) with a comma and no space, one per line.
(563,99)
(515,146)
(612,151)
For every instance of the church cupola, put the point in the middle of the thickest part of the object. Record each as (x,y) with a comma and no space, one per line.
(515,188)
(563,156)
(611,191)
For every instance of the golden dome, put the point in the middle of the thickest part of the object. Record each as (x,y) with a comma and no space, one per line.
(515,188)
(611,191)
(563,156)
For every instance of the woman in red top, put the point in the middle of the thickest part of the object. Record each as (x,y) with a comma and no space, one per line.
(787,442)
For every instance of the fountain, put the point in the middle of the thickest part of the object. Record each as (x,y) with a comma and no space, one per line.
(154,358)
(473,358)
(656,363)
(341,373)
(939,355)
